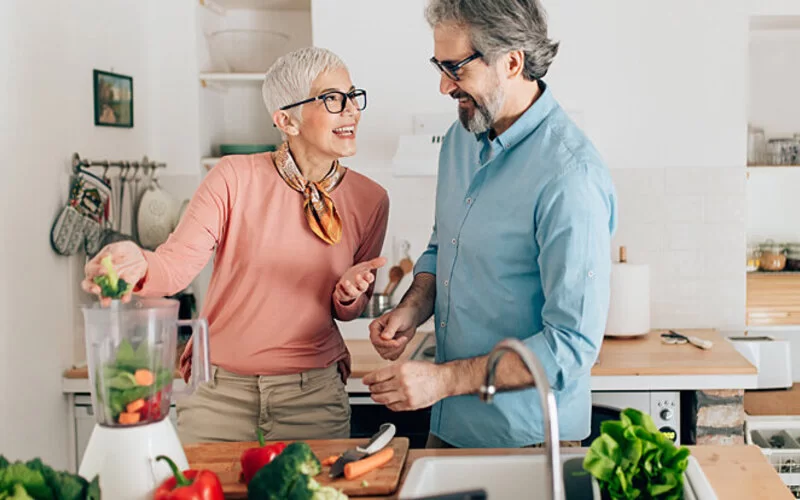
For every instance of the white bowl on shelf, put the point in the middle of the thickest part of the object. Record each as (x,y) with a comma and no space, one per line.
(247,50)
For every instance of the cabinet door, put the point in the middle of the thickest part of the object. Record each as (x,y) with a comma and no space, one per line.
(84,424)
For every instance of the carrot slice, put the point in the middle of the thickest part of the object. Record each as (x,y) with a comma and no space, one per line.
(144,377)
(135,406)
(361,467)
(128,418)
(330,460)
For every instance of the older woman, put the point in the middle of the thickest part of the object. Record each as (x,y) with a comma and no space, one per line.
(296,239)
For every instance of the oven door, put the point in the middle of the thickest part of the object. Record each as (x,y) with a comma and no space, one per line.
(662,406)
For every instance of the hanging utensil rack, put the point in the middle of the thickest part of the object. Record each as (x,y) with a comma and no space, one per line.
(78,162)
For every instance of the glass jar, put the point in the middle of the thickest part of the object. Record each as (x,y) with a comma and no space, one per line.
(756,146)
(781,151)
(753,258)
(773,257)
(793,257)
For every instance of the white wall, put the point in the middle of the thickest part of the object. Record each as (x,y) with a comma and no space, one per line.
(47,80)
(5,188)
(660,93)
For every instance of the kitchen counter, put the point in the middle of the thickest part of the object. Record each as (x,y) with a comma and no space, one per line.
(735,472)
(624,364)
(364,360)
(645,363)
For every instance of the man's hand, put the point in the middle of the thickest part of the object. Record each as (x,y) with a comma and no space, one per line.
(410,385)
(391,332)
(356,280)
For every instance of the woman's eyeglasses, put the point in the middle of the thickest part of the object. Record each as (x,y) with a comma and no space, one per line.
(335,101)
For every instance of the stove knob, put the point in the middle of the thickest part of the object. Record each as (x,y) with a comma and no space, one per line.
(666,414)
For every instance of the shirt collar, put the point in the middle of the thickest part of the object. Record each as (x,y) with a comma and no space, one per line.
(526,123)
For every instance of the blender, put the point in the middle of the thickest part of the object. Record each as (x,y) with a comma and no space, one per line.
(131,356)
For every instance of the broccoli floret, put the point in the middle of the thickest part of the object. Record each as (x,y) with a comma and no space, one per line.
(276,479)
(306,488)
(110,284)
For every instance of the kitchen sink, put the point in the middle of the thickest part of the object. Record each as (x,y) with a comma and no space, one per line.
(515,477)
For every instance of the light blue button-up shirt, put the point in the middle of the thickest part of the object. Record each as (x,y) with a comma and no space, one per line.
(521,248)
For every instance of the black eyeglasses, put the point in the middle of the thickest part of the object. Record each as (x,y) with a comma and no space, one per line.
(451,69)
(335,101)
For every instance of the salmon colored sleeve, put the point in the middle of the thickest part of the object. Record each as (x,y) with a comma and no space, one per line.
(174,264)
(369,249)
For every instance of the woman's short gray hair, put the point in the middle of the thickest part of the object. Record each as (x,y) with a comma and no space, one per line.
(501,26)
(289,78)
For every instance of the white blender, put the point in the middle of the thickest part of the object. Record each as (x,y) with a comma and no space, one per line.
(131,355)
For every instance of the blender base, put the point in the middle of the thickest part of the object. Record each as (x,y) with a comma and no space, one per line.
(125,459)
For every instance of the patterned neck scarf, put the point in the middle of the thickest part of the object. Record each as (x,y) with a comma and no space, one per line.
(321,214)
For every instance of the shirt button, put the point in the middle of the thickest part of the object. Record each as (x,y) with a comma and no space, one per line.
(591,274)
(442,324)
(453,241)
(469,201)
(446,282)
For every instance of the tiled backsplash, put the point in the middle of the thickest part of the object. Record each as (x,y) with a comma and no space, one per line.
(689,225)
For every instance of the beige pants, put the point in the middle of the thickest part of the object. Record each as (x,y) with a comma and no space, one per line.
(436,442)
(308,405)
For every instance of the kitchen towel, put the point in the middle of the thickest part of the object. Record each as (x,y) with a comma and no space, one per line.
(629,310)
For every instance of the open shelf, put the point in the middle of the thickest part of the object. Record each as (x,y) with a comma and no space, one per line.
(232,77)
(208,163)
(222,6)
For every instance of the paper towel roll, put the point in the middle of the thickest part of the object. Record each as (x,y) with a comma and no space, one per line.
(629,310)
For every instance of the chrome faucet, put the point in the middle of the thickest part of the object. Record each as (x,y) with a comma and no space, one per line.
(548,401)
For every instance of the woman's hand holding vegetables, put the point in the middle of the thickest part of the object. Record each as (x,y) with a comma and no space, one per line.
(356,281)
(126,263)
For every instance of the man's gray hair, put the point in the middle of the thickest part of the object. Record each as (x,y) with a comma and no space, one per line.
(289,78)
(500,26)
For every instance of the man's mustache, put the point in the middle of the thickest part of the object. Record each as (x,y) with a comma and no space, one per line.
(457,94)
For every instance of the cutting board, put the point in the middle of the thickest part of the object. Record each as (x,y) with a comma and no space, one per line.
(223,459)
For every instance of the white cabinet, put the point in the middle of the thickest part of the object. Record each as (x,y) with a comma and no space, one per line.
(84,423)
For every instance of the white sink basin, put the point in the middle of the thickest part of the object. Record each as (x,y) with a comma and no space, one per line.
(511,477)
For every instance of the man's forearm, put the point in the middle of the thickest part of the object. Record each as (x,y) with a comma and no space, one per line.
(421,296)
(466,376)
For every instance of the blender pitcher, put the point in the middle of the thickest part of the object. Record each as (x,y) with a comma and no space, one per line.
(131,357)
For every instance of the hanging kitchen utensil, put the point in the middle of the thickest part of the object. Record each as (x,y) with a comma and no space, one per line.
(406,264)
(395,276)
(126,209)
(79,224)
(111,233)
(156,216)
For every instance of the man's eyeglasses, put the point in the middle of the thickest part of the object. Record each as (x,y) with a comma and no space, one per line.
(335,101)
(451,69)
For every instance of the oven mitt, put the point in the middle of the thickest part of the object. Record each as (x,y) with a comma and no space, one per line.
(81,221)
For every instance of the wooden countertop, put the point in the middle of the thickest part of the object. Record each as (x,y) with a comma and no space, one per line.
(646,355)
(784,402)
(735,472)
(364,358)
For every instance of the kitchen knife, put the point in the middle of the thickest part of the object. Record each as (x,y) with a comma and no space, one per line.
(376,444)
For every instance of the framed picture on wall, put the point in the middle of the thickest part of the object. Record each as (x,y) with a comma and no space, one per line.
(113,99)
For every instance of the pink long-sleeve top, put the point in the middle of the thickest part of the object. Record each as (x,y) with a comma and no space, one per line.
(269,303)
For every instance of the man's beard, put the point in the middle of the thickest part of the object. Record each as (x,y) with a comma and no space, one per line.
(483,114)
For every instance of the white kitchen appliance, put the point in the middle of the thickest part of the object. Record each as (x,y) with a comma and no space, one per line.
(131,355)
(772,356)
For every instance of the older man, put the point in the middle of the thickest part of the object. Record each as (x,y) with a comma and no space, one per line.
(525,211)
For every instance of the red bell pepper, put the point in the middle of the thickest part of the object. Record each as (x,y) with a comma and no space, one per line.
(253,459)
(189,484)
